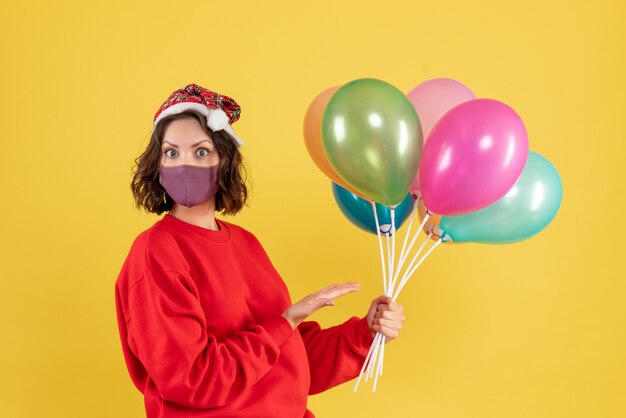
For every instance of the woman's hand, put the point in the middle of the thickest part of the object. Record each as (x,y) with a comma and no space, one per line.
(298,312)
(385,316)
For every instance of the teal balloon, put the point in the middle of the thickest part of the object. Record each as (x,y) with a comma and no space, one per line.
(528,207)
(359,211)
(372,136)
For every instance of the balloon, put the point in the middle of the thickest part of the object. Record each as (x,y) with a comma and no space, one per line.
(313,137)
(432,99)
(473,156)
(525,210)
(360,213)
(372,137)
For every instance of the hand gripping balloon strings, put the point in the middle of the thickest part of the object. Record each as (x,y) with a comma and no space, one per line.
(402,256)
(378,340)
(386,289)
(378,345)
(383,339)
(382,343)
(390,259)
(390,286)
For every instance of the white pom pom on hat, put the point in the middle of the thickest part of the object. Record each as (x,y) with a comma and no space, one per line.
(221,111)
(217,119)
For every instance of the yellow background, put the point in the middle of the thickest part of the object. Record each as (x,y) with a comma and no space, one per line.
(533,329)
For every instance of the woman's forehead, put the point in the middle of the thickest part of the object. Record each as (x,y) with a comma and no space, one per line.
(185,133)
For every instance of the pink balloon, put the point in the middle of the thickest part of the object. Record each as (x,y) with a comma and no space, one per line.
(474,155)
(432,99)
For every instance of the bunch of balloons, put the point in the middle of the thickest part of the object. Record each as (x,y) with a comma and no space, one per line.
(462,163)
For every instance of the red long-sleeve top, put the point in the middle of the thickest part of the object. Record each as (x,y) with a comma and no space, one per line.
(200,319)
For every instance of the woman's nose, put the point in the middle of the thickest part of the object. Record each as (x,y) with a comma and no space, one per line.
(186,158)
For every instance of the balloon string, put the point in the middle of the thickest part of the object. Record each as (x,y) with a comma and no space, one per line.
(388,292)
(388,260)
(408,274)
(367,358)
(373,351)
(439,241)
(380,245)
(369,369)
(406,254)
(380,372)
(411,270)
(393,249)
(403,253)
(379,369)
(374,346)
(419,251)
(408,232)
(378,345)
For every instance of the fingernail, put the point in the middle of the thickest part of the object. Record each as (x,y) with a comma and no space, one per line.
(330,303)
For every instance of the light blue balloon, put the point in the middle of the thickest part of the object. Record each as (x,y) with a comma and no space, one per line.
(359,211)
(524,211)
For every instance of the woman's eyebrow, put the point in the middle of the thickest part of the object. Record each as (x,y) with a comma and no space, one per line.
(196,144)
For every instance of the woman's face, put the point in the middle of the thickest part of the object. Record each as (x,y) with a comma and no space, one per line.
(185,142)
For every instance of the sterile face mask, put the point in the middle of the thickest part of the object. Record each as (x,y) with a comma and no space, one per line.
(189,185)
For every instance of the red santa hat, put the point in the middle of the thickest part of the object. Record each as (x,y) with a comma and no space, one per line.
(221,111)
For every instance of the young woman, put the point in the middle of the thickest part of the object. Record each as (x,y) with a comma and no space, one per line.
(207,326)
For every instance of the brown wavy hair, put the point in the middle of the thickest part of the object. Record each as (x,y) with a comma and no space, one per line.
(232,191)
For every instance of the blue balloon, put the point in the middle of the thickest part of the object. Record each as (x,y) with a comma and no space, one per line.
(359,211)
(524,211)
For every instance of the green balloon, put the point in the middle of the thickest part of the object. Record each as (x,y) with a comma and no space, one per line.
(524,211)
(372,137)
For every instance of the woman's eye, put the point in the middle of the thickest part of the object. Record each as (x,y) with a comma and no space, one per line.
(203,152)
(168,152)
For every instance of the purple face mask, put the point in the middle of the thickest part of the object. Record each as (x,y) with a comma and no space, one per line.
(189,185)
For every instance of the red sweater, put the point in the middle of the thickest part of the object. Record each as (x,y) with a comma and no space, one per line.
(199,317)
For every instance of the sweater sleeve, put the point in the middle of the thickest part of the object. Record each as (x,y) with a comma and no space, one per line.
(167,332)
(336,354)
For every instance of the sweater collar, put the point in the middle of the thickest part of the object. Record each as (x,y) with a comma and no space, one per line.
(222,235)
